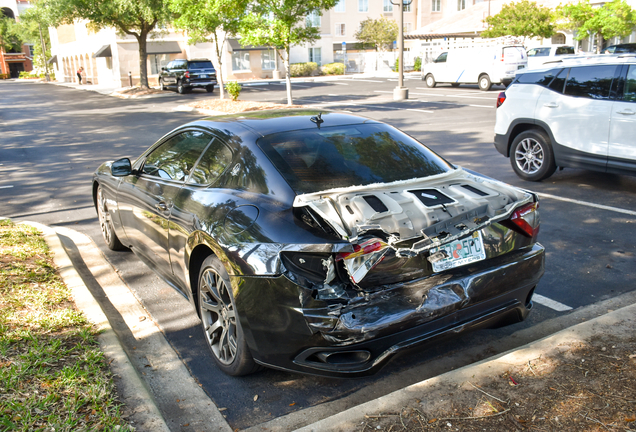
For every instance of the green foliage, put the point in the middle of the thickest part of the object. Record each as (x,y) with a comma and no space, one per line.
(234,89)
(523,18)
(380,33)
(33,23)
(417,65)
(10,38)
(136,18)
(332,69)
(610,20)
(302,69)
(34,75)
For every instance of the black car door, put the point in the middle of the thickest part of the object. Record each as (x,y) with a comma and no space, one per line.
(146,199)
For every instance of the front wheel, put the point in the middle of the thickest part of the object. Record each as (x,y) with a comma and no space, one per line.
(484,83)
(430,81)
(105,223)
(531,156)
(209,88)
(221,327)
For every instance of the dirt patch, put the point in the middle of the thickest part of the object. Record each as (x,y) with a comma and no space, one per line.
(229,106)
(134,92)
(590,387)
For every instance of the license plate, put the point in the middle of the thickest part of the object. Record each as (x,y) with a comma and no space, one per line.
(203,76)
(460,252)
(520,67)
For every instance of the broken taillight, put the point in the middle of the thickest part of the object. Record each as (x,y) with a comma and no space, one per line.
(187,75)
(364,258)
(526,218)
(501,99)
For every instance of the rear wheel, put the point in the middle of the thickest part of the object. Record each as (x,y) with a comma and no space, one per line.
(105,223)
(531,156)
(430,81)
(209,89)
(180,88)
(484,83)
(221,326)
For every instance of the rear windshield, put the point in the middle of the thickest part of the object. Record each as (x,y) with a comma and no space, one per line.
(200,65)
(332,157)
(514,53)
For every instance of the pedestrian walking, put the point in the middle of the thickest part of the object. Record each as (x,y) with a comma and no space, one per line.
(79,75)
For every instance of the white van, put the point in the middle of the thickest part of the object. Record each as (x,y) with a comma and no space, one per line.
(482,66)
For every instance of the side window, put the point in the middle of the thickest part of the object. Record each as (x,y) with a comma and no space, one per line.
(175,158)
(592,82)
(441,58)
(629,95)
(212,164)
(564,50)
(169,65)
(558,83)
(540,78)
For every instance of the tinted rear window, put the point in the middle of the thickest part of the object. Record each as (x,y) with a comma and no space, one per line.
(540,78)
(200,65)
(332,157)
(564,50)
(592,82)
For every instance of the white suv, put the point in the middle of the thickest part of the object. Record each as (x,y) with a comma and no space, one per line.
(578,113)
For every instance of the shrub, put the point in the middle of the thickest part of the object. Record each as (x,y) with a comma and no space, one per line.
(302,69)
(234,89)
(333,69)
(417,65)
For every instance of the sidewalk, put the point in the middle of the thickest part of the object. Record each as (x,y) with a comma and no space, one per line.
(495,384)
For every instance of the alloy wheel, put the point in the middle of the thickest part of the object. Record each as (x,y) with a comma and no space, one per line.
(219,317)
(529,156)
(104,217)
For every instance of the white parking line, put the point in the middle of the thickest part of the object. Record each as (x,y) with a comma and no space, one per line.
(6,187)
(552,304)
(333,82)
(481,106)
(365,80)
(382,91)
(589,204)
(419,110)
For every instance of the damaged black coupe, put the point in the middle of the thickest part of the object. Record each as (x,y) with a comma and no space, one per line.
(321,244)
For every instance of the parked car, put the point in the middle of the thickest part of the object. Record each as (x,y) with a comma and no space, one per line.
(321,244)
(620,49)
(578,113)
(482,66)
(537,56)
(186,75)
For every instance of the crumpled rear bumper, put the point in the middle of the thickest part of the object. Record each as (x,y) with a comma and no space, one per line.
(358,338)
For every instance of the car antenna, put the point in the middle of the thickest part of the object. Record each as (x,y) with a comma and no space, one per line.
(318,119)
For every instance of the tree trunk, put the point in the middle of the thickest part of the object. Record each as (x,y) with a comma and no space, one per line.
(219,61)
(599,42)
(143,59)
(288,77)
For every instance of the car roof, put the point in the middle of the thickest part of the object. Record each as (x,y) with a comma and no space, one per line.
(267,122)
(589,59)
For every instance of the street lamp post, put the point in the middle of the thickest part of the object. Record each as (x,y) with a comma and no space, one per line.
(401,92)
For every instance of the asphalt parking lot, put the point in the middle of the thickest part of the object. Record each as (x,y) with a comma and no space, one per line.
(52,143)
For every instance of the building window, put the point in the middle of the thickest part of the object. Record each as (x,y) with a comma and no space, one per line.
(31,51)
(388,6)
(240,61)
(268,60)
(363,5)
(437,6)
(461,5)
(340,29)
(340,6)
(315,55)
(407,7)
(157,61)
(408,27)
(313,20)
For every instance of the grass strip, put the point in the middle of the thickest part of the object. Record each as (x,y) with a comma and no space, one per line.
(53,376)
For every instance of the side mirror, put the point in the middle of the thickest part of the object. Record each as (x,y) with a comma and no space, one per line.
(121,167)
(163,68)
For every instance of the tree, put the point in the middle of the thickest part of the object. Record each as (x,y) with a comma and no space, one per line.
(137,18)
(33,28)
(210,21)
(9,34)
(380,33)
(281,24)
(610,20)
(524,19)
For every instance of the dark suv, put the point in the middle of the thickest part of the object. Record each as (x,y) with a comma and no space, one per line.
(621,48)
(188,74)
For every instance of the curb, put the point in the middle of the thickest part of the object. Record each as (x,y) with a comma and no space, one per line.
(135,393)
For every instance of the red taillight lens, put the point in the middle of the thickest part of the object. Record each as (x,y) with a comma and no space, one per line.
(187,75)
(527,219)
(501,99)
(364,258)
(364,248)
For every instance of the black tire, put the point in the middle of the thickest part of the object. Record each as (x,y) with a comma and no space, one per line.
(105,224)
(484,83)
(162,86)
(430,81)
(209,88)
(531,156)
(454,84)
(180,88)
(220,322)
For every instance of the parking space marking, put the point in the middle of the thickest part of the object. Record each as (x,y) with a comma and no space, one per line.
(366,80)
(481,106)
(382,91)
(6,187)
(453,95)
(339,83)
(419,110)
(552,304)
(301,86)
(588,204)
